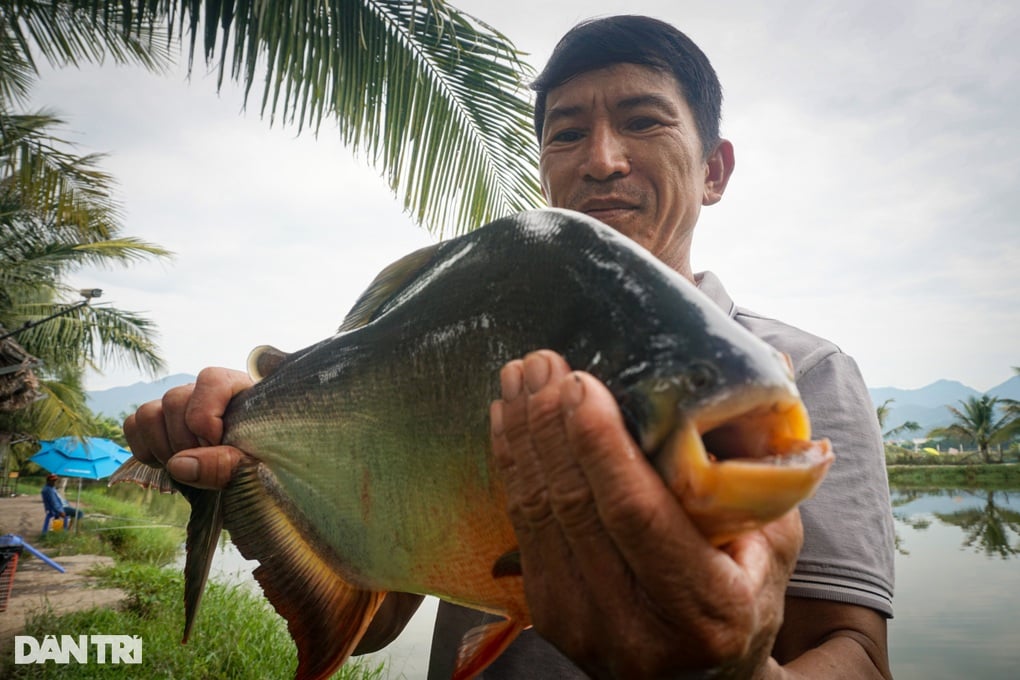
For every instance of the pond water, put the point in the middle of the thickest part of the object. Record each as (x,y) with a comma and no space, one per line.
(957,590)
(957,585)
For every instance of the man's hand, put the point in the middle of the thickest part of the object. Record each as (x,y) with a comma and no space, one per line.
(615,573)
(183,430)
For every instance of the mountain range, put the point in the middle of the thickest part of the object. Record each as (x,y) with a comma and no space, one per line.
(926,406)
(117,401)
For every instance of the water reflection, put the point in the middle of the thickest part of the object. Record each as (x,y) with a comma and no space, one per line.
(989,528)
(957,584)
(990,519)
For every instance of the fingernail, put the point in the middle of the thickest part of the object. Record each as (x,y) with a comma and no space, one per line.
(496,418)
(510,380)
(536,372)
(573,391)
(183,468)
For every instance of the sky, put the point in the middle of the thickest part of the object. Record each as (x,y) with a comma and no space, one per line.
(874,202)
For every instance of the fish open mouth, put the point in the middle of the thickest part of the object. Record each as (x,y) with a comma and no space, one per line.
(737,470)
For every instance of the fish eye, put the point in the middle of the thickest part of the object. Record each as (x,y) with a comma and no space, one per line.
(700,376)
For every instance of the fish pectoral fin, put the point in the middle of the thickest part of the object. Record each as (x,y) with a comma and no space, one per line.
(264,360)
(481,645)
(137,472)
(326,615)
(508,564)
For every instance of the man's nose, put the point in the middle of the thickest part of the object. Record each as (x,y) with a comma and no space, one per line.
(607,155)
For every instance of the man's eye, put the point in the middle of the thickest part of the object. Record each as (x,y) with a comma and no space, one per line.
(642,123)
(565,136)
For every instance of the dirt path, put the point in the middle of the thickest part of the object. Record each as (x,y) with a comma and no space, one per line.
(37,586)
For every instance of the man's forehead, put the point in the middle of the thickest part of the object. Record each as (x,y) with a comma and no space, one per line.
(618,85)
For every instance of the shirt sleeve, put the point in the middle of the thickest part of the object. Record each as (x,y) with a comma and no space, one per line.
(848,551)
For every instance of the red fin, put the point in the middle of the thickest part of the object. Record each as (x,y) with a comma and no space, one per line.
(480,647)
(326,615)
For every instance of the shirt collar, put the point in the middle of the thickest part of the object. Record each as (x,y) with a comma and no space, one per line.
(709,284)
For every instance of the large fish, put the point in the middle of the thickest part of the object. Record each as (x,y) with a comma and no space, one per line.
(370,467)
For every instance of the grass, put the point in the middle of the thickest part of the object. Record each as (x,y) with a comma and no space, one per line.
(123,522)
(995,477)
(237,635)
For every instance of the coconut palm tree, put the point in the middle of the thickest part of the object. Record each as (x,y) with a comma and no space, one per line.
(978,422)
(57,214)
(883,412)
(429,95)
(1012,405)
(425,92)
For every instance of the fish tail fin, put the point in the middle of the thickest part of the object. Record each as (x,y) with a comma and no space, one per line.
(482,644)
(325,614)
(204,528)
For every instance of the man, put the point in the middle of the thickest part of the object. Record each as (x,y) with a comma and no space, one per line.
(617,577)
(55,504)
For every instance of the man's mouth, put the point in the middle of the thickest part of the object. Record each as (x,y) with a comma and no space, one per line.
(606,208)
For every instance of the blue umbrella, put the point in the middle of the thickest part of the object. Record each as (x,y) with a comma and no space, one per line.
(88,458)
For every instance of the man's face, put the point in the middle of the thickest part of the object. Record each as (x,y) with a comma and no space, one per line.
(620,144)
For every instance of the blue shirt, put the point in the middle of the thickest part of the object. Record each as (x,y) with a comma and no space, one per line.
(52,500)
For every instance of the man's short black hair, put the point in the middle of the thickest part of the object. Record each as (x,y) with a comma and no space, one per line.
(629,39)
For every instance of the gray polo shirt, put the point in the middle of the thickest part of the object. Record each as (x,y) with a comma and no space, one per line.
(847,554)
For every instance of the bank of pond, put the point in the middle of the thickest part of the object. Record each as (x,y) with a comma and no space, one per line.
(1001,476)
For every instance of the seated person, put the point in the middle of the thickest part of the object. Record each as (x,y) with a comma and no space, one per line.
(55,504)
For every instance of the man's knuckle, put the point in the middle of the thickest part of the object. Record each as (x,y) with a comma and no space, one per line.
(574,507)
(533,508)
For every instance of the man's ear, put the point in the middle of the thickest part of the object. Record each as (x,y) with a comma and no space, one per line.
(718,169)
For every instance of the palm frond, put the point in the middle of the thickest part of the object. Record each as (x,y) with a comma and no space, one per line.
(61,411)
(122,337)
(431,96)
(16,73)
(42,181)
(93,336)
(68,32)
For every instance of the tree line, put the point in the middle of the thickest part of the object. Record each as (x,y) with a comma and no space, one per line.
(983,422)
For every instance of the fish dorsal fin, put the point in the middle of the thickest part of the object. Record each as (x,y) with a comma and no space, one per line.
(481,645)
(264,360)
(325,614)
(390,280)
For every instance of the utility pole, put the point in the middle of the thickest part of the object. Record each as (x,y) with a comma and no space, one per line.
(88,293)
